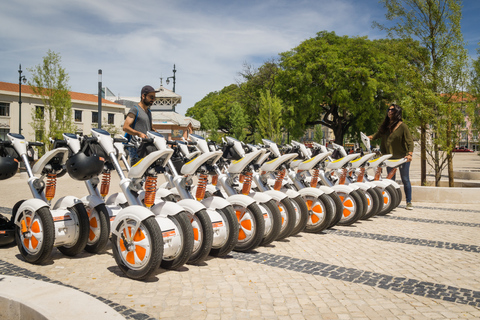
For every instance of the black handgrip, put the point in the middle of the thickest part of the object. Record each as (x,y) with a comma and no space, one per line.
(146,140)
(6,142)
(122,139)
(89,139)
(192,143)
(36,144)
(172,142)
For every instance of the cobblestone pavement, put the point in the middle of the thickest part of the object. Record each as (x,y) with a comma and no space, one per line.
(419,264)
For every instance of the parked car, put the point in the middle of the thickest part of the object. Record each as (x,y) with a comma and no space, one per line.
(461,149)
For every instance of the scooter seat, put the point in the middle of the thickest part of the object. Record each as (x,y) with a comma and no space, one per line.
(192,166)
(357,163)
(393,163)
(310,163)
(337,164)
(139,168)
(237,166)
(275,163)
(47,157)
(378,161)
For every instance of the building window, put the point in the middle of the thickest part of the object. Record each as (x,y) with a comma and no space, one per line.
(4,109)
(3,134)
(78,115)
(39,112)
(94,117)
(111,118)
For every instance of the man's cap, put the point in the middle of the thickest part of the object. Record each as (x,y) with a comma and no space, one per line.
(147,90)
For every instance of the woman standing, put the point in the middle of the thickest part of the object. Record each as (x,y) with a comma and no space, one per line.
(397,141)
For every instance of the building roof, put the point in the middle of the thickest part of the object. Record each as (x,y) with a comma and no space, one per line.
(170,117)
(77,96)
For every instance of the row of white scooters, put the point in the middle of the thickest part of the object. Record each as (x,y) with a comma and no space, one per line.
(215,199)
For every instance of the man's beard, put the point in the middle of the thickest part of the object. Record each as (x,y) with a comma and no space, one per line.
(147,103)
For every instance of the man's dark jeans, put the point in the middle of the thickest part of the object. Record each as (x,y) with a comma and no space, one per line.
(405,175)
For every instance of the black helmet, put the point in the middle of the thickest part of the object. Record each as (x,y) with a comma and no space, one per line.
(83,167)
(8,167)
(7,231)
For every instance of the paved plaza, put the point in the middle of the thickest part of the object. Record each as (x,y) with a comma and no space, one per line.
(419,264)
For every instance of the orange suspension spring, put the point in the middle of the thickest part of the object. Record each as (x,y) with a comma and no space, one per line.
(201,187)
(241,178)
(215,179)
(150,191)
(247,183)
(105,187)
(343,176)
(378,174)
(392,173)
(315,175)
(361,175)
(279,180)
(51,186)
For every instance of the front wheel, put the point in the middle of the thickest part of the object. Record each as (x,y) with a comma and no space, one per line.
(202,236)
(230,219)
(139,249)
(288,217)
(273,221)
(251,227)
(181,221)
(389,200)
(99,221)
(352,207)
(301,215)
(36,235)
(337,206)
(374,202)
(320,211)
(80,216)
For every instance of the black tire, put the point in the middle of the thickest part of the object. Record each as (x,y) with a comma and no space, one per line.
(352,208)
(202,235)
(375,200)
(364,198)
(271,232)
(399,196)
(232,226)
(389,196)
(320,213)
(288,217)
(83,231)
(99,230)
(337,208)
(301,215)
(149,230)
(43,232)
(182,221)
(251,227)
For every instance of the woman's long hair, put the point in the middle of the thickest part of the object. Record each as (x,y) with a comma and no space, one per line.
(387,125)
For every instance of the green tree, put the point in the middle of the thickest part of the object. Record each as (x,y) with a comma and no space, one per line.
(50,81)
(218,102)
(340,82)
(474,91)
(436,25)
(269,120)
(209,123)
(238,121)
(317,133)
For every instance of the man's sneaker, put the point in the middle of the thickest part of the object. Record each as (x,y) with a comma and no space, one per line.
(409,206)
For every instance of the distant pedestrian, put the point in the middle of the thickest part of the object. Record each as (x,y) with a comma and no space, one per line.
(397,140)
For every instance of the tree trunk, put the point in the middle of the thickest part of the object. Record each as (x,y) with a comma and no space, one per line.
(423,155)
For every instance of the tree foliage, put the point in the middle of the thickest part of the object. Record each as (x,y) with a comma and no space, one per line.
(343,83)
(269,119)
(50,81)
(239,121)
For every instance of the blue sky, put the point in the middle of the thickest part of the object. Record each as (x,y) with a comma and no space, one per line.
(137,42)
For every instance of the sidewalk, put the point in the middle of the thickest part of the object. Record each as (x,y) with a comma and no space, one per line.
(419,264)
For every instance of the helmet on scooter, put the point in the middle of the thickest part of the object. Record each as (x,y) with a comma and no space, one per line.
(8,167)
(83,167)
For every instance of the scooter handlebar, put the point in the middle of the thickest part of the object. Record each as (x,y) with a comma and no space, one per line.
(36,144)
(123,140)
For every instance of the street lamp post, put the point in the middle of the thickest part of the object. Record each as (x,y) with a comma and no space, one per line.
(20,79)
(173,77)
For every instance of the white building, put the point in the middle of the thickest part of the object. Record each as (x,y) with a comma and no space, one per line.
(84,111)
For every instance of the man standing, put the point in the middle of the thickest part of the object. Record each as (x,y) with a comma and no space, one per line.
(139,120)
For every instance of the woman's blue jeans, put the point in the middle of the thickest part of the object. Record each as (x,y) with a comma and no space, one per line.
(132,152)
(405,175)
